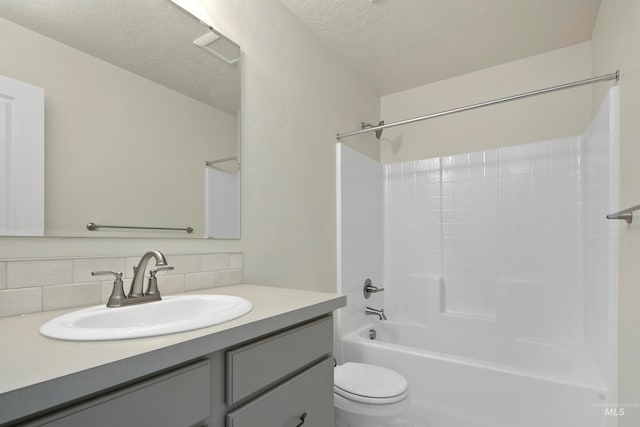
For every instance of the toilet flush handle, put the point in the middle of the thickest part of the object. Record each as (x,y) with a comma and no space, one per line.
(303,417)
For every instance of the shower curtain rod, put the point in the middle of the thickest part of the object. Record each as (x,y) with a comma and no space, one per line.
(605,77)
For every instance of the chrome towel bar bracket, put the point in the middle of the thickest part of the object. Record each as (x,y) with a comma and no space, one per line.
(625,214)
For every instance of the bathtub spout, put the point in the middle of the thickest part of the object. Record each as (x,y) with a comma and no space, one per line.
(375,312)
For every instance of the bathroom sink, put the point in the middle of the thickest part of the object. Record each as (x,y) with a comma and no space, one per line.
(170,315)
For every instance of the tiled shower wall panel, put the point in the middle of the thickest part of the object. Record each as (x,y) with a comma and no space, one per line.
(502,228)
(470,233)
(412,237)
(33,285)
(539,290)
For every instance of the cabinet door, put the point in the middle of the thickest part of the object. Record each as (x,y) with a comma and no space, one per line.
(254,367)
(310,393)
(180,398)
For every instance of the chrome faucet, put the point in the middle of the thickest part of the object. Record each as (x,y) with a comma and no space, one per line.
(375,312)
(136,296)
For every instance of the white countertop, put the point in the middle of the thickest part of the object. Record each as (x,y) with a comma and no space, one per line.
(38,372)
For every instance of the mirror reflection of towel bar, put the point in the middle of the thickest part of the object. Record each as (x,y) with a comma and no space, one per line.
(214,163)
(92,226)
(625,214)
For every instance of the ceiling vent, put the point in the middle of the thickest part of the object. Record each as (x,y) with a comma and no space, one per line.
(219,46)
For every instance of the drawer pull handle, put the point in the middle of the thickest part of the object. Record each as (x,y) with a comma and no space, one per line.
(303,417)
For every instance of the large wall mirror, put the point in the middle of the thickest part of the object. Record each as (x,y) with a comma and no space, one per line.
(142,105)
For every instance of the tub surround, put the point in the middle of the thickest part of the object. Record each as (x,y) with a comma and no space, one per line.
(507,250)
(33,285)
(73,370)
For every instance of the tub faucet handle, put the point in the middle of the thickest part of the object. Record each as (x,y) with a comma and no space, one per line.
(369,289)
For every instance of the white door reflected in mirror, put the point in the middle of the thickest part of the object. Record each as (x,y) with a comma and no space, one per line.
(21,158)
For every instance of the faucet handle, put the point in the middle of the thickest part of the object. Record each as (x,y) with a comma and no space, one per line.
(116,274)
(117,294)
(160,268)
(369,289)
(152,286)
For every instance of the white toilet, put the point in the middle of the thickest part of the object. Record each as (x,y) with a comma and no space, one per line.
(368,395)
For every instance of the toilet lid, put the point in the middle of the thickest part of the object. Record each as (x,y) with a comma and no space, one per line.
(363,382)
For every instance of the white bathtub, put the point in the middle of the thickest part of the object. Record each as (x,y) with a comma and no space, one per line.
(456,382)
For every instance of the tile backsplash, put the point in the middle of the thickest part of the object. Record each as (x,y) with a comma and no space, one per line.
(33,285)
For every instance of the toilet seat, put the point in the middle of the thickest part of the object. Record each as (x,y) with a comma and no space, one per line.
(372,384)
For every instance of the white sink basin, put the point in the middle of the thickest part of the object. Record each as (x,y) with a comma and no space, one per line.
(170,315)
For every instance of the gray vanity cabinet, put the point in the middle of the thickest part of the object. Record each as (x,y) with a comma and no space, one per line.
(178,398)
(283,379)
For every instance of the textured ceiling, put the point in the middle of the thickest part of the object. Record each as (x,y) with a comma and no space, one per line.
(152,38)
(401,44)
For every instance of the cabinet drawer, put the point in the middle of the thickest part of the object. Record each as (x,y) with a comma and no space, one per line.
(180,398)
(253,367)
(310,392)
